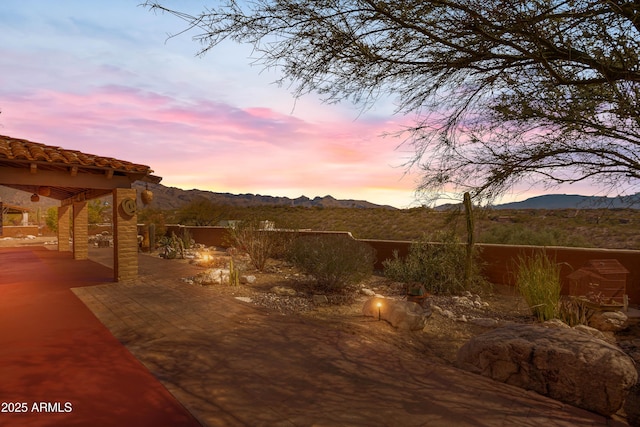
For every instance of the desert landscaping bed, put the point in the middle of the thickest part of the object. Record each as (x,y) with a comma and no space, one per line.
(453,320)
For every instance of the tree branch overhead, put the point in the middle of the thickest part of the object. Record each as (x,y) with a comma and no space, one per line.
(551,84)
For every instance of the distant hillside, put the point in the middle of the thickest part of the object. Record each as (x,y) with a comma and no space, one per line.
(563,201)
(574,201)
(174,198)
(14,197)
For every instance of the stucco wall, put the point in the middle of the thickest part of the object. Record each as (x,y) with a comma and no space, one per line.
(19,230)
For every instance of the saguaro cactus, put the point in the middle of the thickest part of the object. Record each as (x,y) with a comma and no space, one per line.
(468,210)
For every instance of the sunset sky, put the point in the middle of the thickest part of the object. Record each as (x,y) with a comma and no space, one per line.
(103,78)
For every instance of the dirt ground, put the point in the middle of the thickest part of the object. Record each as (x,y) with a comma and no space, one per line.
(453,320)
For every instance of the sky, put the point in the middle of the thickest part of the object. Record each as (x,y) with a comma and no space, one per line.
(103,77)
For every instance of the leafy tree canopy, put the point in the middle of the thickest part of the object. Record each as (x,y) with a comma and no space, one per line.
(502,91)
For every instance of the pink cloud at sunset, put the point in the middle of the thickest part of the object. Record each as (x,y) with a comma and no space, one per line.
(109,82)
(204,144)
(106,80)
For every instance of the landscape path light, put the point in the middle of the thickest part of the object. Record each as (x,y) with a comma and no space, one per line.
(379,305)
(204,257)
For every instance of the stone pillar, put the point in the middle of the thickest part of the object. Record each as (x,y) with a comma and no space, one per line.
(80,230)
(125,234)
(64,217)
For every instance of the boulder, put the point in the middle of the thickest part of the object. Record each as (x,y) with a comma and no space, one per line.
(562,363)
(608,320)
(591,331)
(400,314)
(247,279)
(485,322)
(218,275)
(214,276)
(555,323)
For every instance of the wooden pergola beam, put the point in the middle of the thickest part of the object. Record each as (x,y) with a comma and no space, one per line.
(18,176)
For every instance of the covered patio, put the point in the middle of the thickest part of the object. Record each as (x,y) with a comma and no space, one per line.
(74,178)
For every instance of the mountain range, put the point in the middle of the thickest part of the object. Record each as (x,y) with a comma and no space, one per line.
(574,201)
(174,198)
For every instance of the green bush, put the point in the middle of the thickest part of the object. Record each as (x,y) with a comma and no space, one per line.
(538,281)
(157,218)
(187,239)
(334,261)
(439,266)
(51,218)
(520,234)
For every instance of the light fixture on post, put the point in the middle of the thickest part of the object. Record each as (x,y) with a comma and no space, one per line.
(379,305)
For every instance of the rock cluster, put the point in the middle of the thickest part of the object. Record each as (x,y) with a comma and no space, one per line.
(284,291)
(608,320)
(466,308)
(282,304)
(212,276)
(216,276)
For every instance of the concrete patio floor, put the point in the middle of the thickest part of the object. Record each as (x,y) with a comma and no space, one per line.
(230,363)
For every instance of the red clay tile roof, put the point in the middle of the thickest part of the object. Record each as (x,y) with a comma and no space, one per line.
(21,149)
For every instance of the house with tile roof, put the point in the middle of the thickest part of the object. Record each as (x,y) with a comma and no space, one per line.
(73,178)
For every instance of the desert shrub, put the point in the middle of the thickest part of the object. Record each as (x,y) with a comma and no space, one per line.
(171,247)
(520,234)
(538,281)
(259,244)
(574,311)
(187,239)
(439,266)
(334,261)
(51,218)
(157,217)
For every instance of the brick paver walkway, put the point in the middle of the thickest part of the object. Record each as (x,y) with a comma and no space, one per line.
(233,364)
